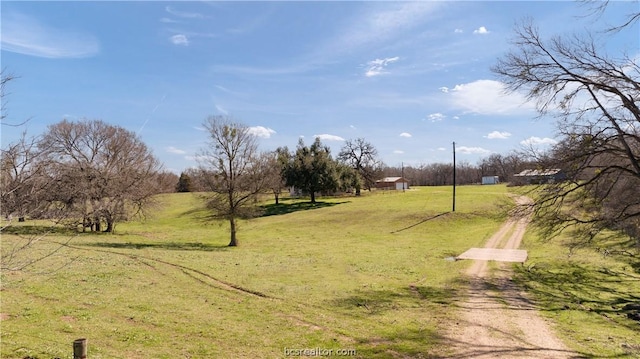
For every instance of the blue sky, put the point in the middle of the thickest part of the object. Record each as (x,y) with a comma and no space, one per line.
(409,77)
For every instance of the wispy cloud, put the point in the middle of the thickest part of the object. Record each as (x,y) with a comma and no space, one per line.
(327,137)
(498,135)
(405,134)
(166,20)
(481,31)
(263,71)
(538,141)
(488,97)
(179,39)
(183,14)
(25,35)
(175,150)
(472,150)
(227,90)
(398,152)
(199,158)
(376,67)
(221,109)
(380,23)
(262,132)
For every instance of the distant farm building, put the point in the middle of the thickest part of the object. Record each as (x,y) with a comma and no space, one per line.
(539,176)
(490,179)
(392,183)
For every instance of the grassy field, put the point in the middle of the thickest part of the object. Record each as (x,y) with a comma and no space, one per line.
(588,293)
(366,275)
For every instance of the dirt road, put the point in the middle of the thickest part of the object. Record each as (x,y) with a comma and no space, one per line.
(497,320)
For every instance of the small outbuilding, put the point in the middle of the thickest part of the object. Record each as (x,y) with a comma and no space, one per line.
(539,176)
(392,183)
(490,180)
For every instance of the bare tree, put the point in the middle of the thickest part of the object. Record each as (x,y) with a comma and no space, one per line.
(21,181)
(276,171)
(166,182)
(22,185)
(99,173)
(595,98)
(504,166)
(233,170)
(362,156)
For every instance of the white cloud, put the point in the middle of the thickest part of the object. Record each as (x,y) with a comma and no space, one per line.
(352,127)
(441,149)
(25,35)
(435,117)
(377,66)
(175,150)
(472,150)
(458,31)
(481,30)
(179,39)
(488,97)
(498,135)
(405,134)
(537,141)
(262,132)
(444,89)
(327,137)
(398,152)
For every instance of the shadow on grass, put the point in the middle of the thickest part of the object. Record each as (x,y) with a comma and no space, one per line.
(421,222)
(36,230)
(378,301)
(178,246)
(612,294)
(285,208)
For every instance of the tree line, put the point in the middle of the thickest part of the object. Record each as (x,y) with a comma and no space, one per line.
(441,174)
(86,173)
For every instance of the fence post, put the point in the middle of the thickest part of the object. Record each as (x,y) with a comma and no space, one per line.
(80,349)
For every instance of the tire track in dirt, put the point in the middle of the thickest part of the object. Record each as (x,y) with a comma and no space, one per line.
(497,320)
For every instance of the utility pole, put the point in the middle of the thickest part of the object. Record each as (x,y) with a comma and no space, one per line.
(454,177)
(402,174)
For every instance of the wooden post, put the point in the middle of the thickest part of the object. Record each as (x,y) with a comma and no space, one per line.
(80,349)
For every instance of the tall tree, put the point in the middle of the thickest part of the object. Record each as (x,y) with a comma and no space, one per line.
(312,169)
(184,183)
(99,172)
(362,156)
(234,170)
(596,99)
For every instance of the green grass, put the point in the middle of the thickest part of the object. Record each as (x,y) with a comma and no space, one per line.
(362,273)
